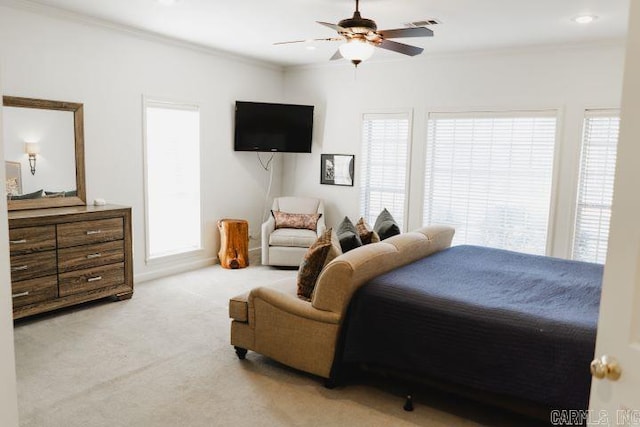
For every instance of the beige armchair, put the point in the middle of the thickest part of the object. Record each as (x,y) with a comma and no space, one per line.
(287,246)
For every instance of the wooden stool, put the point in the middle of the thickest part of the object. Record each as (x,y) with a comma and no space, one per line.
(234,243)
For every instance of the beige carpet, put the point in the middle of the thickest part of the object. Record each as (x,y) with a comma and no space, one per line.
(163,359)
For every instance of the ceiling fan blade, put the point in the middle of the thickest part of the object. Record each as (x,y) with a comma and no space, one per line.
(290,42)
(400,47)
(338,28)
(406,32)
(329,39)
(336,55)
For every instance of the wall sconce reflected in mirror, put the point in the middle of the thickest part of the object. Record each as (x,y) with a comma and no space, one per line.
(32,149)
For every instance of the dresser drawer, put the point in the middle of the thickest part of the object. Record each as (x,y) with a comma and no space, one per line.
(87,232)
(32,239)
(30,266)
(87,256)
(31,291)
(91,278)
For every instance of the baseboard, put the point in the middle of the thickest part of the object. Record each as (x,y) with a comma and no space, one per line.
(175,269)
(255,256)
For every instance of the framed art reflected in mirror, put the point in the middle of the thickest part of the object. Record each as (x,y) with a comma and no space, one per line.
(13,180)
(337,169)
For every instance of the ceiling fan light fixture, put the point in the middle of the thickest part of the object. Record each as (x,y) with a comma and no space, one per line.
(356,50)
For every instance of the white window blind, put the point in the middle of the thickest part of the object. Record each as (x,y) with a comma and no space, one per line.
(595,187)
(490,175)
(385,147)
(172,181)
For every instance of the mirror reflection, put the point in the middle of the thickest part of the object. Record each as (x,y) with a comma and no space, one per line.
(39,153)
(44,153)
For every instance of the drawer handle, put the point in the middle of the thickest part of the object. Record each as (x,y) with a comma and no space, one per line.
(90,232)
(94,279)
(17,242)
(21,268)
(21,294)
(92,256)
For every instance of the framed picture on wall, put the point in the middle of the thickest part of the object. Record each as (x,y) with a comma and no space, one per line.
(336,169)
(13,182)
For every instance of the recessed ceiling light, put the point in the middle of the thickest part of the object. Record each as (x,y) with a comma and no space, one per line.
(311,47)
(585,19)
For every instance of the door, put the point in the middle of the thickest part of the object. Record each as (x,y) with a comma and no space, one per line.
(618,401)
(8,397)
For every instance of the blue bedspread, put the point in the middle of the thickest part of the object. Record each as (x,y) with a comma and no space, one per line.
(495,320)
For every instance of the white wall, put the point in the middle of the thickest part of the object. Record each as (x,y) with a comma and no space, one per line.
(8,396)
(567,78)
(108,70)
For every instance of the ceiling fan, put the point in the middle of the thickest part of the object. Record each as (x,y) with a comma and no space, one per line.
(361,36)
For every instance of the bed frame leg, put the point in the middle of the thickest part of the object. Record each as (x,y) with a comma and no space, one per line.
(330,383)
(408,404)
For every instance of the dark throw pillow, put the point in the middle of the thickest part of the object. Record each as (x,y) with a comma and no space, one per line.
(385,225)
(35,195)
(71,193)
(52,195)
(319,254)
(348,235)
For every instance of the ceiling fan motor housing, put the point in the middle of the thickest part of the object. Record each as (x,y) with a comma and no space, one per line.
(358,25)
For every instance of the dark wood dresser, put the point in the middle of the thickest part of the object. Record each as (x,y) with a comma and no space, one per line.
(65,256)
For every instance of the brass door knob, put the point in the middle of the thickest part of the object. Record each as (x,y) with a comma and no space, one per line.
(606,367)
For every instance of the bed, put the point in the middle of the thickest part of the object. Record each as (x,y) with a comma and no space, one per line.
(495,321)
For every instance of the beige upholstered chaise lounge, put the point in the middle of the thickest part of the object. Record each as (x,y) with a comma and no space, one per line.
(274,322)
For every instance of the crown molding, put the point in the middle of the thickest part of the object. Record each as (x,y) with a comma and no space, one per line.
(67,15)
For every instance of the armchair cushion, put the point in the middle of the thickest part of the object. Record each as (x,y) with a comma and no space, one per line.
(295,220)
(320,253)
(348,235)
(292,237)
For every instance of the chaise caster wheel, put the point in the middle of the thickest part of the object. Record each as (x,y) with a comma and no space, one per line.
(408,404)
(241,352)
(330,383)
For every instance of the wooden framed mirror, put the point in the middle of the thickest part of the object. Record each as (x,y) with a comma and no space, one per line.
(44,153)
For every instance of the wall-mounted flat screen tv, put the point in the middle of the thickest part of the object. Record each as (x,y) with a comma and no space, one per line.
(273,127)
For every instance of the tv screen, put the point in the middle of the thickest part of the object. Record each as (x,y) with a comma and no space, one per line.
(273,127)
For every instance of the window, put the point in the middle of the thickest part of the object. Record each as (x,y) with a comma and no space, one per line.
(385,147)
(172,178)
(595,186)
(489,175)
